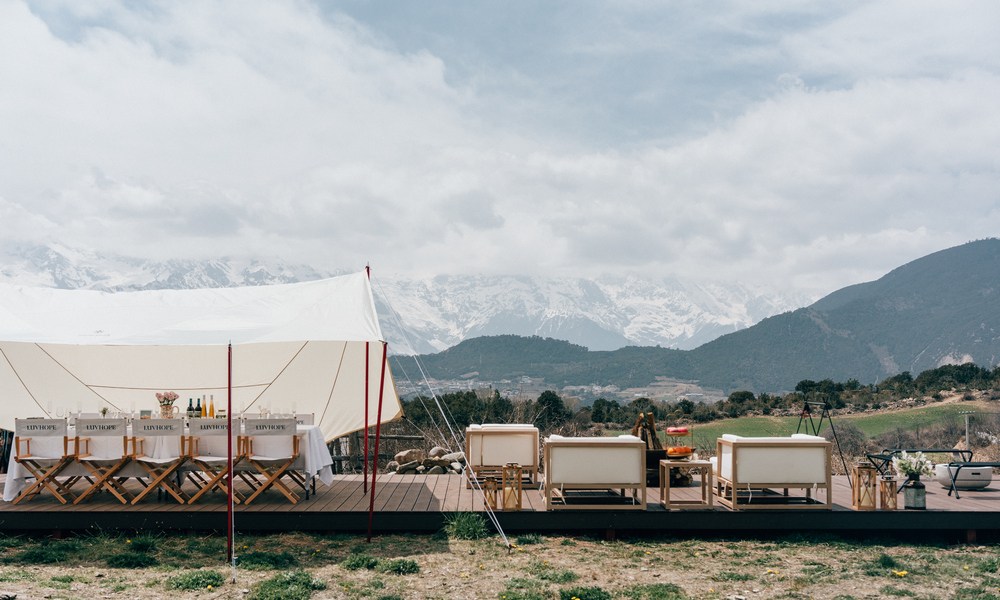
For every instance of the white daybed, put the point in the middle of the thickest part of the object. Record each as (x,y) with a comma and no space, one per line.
(492,445)
(749,469)
(967,478)
(595,464)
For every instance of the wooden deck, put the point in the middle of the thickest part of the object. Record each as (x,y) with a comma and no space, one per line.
(420,503)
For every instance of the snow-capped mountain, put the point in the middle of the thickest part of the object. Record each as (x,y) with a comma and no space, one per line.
(429,315)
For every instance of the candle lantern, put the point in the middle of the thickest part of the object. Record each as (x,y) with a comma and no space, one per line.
(490,492)
(510,480)
(887,490)
(864,492)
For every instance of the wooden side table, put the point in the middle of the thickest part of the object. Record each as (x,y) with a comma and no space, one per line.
(703,468)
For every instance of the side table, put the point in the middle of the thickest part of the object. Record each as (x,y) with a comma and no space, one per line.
(702,467)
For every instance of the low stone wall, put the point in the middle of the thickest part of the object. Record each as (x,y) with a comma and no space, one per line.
(436,462)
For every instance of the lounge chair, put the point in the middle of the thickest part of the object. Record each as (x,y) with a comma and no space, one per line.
(749,470)
(595,473)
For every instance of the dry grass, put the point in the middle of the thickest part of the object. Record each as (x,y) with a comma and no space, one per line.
(537,567)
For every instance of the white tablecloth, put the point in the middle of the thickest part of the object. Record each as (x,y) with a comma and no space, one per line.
(314,458)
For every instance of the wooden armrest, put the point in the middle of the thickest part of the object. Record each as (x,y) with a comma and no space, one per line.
(17,446)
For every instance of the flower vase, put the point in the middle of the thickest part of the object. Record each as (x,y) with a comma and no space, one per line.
(167,412)
(914,493)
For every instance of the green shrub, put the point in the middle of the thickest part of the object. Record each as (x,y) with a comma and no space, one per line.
(297,585)
(42,555)
(520,588)
(731,576)
(359,560)
(259,561)
(399,566)
(990,565)
(131,560)
(7,541)
(549,573)
(655,591)
(584,593)
(143,544)
(529,538)
(466,526)
(47,553)
(886,562)
(195,580)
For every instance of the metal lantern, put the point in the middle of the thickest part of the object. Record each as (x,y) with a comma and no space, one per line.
(864,492)
(887,490)
(510,485)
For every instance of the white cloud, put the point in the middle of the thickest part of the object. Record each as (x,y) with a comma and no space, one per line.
(809,150)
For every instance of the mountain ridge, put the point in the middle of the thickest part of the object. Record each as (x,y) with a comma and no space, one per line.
(605,313)
(940,309)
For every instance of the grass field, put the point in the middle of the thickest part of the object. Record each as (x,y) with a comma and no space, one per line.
(872,424)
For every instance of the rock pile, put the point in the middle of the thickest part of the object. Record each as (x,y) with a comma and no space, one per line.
(437,462)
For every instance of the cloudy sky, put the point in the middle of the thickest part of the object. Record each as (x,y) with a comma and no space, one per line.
(807,146)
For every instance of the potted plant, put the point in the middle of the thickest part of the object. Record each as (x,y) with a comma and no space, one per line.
(913,466)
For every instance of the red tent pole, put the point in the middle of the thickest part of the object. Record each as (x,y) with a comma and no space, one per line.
(230,525)
(367,354)
(378,431)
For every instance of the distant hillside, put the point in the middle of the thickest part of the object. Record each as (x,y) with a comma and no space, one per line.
(496,358)
(940,309)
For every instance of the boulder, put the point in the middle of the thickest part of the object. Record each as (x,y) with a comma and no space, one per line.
(409,456)
(392,466)
(456,467)
(435,462)
(421,469)
(435,471)
(410,467)
(455,457)
(437,452)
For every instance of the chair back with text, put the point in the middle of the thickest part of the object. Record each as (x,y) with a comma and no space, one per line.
(209,450)
(270,447)
(102,449)
(160,448)
(41,447)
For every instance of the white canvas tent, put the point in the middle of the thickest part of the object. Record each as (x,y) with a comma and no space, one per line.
(296,347)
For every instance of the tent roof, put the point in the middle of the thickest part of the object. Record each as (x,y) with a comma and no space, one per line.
(335,309)
(297,347)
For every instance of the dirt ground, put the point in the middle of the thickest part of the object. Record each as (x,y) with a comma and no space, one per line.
(544,566)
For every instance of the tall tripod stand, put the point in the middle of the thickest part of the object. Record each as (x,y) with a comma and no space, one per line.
(813,427)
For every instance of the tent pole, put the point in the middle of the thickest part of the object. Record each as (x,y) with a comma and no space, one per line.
(230,522)
(367,355)
(364,477)
(378,431)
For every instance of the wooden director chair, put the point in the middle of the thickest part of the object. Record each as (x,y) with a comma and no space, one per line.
(41,447)
(159,448)
(208,447)
(270,447)
(103,456)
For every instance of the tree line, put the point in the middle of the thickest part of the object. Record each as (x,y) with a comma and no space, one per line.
(551,412)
